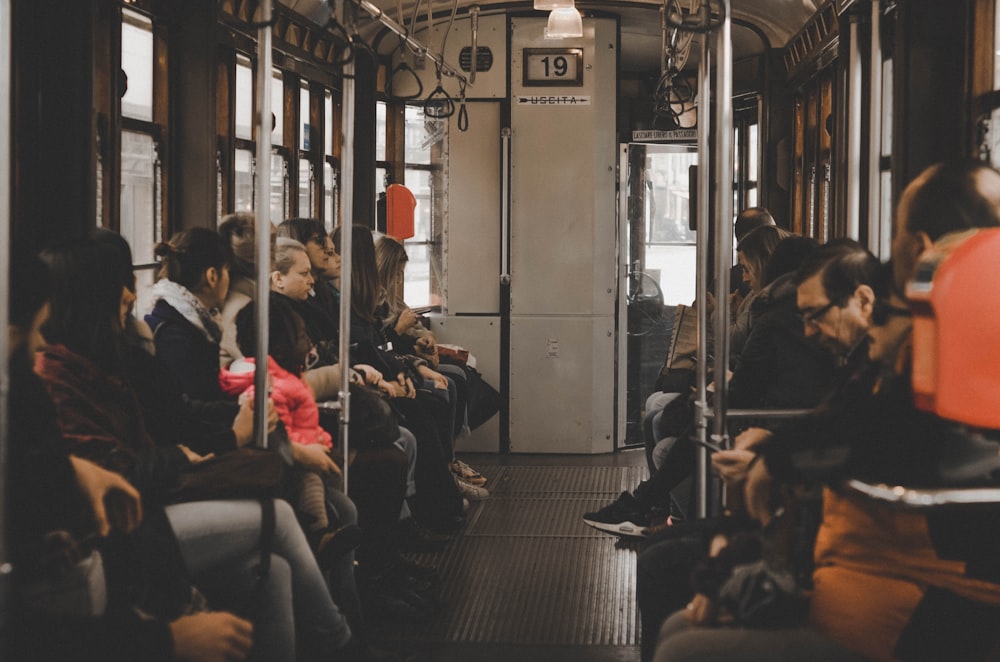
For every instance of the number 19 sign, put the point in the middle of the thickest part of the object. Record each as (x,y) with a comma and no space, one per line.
(553,67)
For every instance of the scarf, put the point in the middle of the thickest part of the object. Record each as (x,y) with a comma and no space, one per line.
(190,307)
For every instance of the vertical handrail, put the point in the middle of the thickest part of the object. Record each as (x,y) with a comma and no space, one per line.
(854,122)
(5,171)
(346,254)
(875,240)
(723,217)
(701,284)
(262,201)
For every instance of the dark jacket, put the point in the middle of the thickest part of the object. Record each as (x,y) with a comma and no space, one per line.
(779,367)
(193,358)
(43,496)
(99,415)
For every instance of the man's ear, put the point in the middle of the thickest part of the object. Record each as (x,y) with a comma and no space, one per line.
(211,277)
(276,279)
(866,298)
(924,242)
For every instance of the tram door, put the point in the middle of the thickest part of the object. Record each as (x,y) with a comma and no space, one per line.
(658,266)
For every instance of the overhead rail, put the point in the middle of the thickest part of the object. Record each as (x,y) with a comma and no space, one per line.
(404,34)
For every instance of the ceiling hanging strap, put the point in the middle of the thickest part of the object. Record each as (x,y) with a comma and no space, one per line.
(463,112)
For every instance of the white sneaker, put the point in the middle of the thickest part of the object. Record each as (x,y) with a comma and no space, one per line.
(473,492)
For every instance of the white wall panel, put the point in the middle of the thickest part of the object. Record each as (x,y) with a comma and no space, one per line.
(562,384)
(472,244)
(481,336)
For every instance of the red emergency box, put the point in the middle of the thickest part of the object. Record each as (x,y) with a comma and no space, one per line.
(399,207)
(955,296)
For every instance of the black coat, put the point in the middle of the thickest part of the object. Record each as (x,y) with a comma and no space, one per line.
(779,367)
(193,358)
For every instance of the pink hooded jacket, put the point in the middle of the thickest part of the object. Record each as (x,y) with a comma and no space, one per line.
(292,398)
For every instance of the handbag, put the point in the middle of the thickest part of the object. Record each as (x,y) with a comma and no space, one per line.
(247,473)
(373,421)
(760,595)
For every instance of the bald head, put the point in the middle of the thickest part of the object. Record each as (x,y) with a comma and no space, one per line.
(944,198)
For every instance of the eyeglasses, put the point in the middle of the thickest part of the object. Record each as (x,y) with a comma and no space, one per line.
(814,317)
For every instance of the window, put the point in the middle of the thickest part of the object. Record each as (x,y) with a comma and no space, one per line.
(426,146)
(141,210)
(331,168)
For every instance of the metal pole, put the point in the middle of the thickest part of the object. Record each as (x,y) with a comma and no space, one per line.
(701,296)
(875,241)
(723,216)
(5,169)
(346,243)
(262,201)
(854,92)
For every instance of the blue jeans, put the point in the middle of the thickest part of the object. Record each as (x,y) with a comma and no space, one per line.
(219,541)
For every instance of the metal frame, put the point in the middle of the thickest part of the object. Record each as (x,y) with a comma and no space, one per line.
(6,81)
(263,215)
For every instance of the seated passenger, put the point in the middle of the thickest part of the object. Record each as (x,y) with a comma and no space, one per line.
(49,491)
(239,232)
(219,540)
(408,336)
(889,584)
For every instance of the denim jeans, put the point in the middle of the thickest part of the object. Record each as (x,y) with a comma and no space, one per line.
(219,541)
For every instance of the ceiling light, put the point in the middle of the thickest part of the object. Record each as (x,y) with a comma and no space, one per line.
(564,24)
(546,5)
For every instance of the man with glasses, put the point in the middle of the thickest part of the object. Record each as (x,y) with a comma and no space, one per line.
(835,294)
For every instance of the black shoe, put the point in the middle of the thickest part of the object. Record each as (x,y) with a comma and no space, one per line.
(415,538)
(624,517)
(416,568)
(334,544)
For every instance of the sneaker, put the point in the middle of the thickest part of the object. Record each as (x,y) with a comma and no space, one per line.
(624,517)
(470,491)
(464,472)
(415,538)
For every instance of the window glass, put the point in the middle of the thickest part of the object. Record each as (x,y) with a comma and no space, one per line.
(329,196)
(380,132)
(421,134)
(418,285)
(139,187)
(304,116)
(279,200)
(244,98)
(752,156)
(329,122)
(305,188)
(278,108)
(137,63)
(243,181)
(670,243)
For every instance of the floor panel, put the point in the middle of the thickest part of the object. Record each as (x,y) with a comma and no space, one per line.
(527,580)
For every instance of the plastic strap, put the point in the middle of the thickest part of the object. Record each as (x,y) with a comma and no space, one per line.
(439,104)
(403,66)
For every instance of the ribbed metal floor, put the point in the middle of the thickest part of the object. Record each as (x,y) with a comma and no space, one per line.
(528,580)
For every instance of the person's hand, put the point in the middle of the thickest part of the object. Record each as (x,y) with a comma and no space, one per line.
(391,389)
(440,381)
(406,319)
(243,423)
(751,438)
(371,375)
(757,493)
(113,501)
(732,465)
(701,610)
(426,344)
(313,457)
(408,388)
(192,457)
(211,637)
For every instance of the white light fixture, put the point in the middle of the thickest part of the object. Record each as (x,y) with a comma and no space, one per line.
(546,5)
(564,24)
